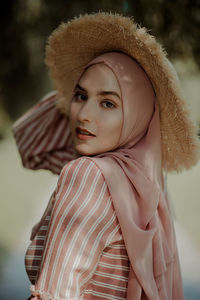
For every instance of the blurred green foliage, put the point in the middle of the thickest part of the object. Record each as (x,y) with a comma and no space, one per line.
(26,25)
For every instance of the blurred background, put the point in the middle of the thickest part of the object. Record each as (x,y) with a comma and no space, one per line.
(25,27)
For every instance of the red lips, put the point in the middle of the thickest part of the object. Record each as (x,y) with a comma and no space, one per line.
(83,131)
(84,134)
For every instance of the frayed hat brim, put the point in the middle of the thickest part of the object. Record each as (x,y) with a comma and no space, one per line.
(76,43)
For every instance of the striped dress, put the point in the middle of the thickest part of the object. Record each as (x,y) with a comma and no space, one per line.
(77,249)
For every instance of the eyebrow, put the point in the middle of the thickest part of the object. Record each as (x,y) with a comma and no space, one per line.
(101,93)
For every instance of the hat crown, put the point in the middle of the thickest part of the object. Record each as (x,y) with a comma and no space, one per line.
(76,43)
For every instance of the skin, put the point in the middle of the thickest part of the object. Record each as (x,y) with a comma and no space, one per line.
(97,107)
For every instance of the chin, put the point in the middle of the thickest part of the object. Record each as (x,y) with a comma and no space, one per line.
(84,150)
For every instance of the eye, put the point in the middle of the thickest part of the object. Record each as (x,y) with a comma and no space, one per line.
(80,97)
(108,104)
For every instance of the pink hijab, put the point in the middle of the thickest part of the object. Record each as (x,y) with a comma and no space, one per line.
(133,173)
(134,176)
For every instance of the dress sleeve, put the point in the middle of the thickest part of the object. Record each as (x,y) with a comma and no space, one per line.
(81,225)
(43,136)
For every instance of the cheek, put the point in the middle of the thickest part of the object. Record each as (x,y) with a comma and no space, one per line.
(111,127)
(73,115)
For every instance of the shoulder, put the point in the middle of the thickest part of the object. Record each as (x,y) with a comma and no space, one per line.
(82,163)
(82,168)
(82,179)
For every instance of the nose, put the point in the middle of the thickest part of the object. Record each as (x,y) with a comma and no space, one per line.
(86,112)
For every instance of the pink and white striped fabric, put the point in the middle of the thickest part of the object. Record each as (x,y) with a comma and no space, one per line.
(77,250)
(43,136)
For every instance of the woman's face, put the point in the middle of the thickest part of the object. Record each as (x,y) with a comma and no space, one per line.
(96,114)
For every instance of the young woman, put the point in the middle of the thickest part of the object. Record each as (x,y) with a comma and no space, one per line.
(116,122)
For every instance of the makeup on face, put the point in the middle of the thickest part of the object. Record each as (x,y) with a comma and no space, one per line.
(96,114)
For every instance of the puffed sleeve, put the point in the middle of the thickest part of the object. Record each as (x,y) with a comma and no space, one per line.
(81,225)
(43,136)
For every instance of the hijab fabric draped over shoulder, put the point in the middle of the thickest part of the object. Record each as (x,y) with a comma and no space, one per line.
(133,173)
(134,176)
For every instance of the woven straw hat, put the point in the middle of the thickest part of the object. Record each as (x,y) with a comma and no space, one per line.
(74,44)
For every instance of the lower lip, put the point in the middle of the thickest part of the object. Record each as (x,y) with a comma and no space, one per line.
(84,137)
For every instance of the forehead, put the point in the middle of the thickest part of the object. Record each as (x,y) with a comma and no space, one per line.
(99,77)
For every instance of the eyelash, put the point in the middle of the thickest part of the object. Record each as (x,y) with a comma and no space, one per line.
(77,94)
(106,101)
